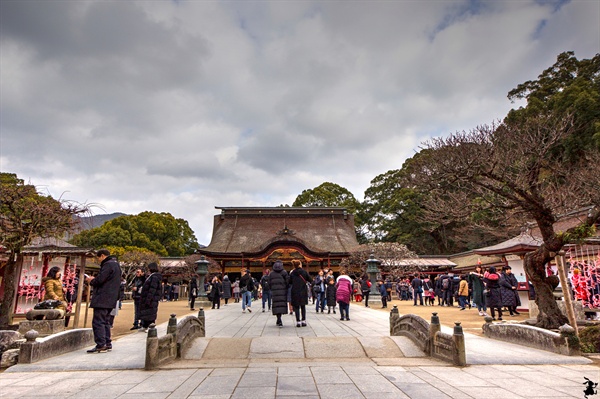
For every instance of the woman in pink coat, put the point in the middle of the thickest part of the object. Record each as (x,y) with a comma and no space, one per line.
(343,293)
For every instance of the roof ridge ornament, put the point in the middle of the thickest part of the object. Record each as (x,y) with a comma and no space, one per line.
(286,231)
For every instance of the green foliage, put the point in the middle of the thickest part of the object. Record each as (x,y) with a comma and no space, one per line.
(331,194)
(589,338)
(160,233)
(569,86)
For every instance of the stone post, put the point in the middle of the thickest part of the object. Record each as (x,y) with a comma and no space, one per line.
(434,327)
(569,334)
(460,357)
(26,349)
(151,348)
(394,317)
(172,325)
(202,320)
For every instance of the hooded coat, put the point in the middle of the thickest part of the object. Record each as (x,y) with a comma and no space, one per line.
(107,284)
(150,296)
(494,297)
(278,281)
(509,296)
(344,288)
(331,294)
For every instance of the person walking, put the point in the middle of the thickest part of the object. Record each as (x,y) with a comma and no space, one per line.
(383,293)
(365,287)
(246,288)
(299,292)
(278,281)
(150,296)
(105,295)
(343,293)
(227,289)
(417,285)
(266,290)
(193,292)
(136,288)
(493,296)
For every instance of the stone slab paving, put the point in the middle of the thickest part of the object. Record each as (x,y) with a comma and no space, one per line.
(269,362)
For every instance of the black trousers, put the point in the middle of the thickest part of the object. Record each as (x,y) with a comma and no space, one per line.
(101,326)
(136,312)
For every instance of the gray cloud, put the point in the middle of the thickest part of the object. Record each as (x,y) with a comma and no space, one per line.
(181,106)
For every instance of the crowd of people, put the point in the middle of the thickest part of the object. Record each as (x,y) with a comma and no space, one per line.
(281,292)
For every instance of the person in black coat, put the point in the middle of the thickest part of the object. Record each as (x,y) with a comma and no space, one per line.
(330,295)
(107,286)
(216,292)
(493,296)
(136,288)
(299,292)
(508,290)
(278,282)
(150,296)
(193,292)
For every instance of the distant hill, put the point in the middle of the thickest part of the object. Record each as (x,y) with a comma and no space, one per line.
(91,222)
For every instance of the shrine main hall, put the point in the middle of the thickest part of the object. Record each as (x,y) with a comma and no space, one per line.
(255,237)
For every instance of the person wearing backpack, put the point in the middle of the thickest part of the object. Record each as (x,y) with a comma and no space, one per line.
(246,289)
(266,290)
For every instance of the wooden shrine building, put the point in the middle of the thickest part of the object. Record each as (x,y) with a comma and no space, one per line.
(255,237)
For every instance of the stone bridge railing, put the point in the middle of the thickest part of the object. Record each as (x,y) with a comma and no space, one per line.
(179,336)
(564,342)
(429,337)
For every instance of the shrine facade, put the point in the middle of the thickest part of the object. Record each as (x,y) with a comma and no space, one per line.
(255,237)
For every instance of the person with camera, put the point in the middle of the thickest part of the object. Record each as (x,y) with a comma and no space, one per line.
(136,293)
(106,287)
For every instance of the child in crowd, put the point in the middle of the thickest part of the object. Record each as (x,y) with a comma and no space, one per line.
(330,294)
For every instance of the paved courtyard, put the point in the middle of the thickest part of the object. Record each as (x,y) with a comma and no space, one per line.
(246,356)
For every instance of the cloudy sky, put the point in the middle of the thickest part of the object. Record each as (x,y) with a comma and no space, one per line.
(181,106)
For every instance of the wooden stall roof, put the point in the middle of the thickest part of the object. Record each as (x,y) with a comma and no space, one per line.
(523,243)
(55,246)
(469,260)
(322,230)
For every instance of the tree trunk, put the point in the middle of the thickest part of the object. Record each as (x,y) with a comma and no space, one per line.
(10,287)
(550,316)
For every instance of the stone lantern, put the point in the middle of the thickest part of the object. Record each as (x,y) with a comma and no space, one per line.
(202,271)
(372,271)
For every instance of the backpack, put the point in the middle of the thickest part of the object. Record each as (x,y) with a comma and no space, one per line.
(264,282)
(445,283)
(250,284)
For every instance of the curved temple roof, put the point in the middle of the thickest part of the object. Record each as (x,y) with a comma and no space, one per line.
(323,230)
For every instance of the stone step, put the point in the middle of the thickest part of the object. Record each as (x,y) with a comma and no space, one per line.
(277,347)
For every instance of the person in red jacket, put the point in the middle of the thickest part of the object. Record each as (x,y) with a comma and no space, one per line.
(343,293)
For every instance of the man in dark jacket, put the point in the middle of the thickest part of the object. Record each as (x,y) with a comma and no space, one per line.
(106,287)
(417,285)
(136,288)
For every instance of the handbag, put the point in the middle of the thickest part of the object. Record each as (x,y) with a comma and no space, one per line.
(47,304)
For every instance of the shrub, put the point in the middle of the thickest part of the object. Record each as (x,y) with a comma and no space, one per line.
(590,339)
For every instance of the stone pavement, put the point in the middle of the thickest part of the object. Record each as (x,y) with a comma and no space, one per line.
(245,356)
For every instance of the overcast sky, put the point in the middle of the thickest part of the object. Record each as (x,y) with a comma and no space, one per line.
(181,106)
